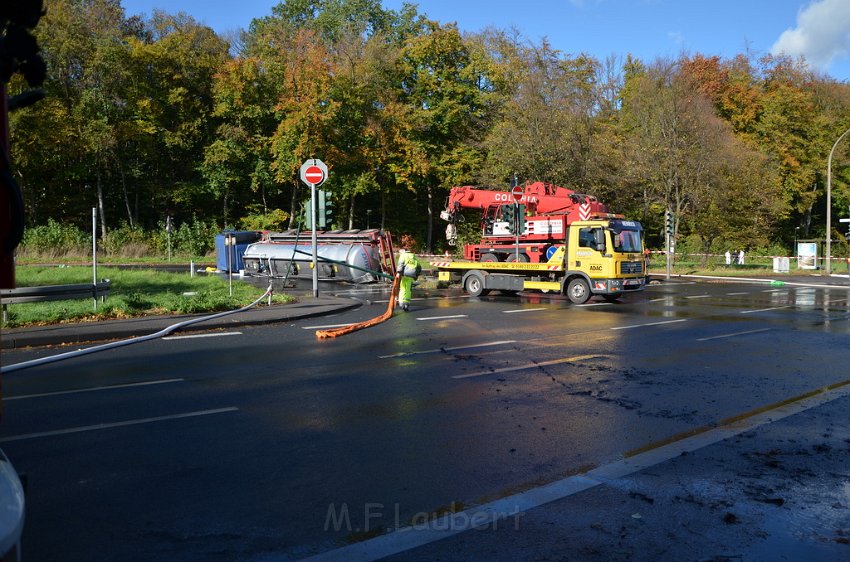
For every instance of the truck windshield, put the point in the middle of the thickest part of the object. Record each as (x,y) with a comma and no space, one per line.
(626,236)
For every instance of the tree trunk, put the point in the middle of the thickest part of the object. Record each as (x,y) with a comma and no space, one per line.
(428,245)
(126,195)
(100,205)
(293,206)
(383,207)
(224,209)
(807,222)
(351,214)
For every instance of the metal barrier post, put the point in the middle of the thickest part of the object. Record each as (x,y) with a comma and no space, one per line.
(94,254)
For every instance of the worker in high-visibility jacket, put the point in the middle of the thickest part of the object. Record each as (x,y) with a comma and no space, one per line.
(407,271)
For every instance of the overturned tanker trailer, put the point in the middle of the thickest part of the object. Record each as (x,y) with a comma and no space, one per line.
(357,256)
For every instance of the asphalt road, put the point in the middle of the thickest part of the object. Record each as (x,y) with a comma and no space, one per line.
(264,443)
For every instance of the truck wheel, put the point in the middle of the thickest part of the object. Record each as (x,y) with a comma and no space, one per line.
(578,291)
(474,285)
(522,257)
(488,257)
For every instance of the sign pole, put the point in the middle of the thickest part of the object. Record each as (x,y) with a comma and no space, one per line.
(314,241)
(314,172)
(517,193)
(516,228)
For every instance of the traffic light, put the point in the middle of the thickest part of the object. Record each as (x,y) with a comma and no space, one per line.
(520,218)
(508,217)
(325,210)
(668,222)
(330,212)
(514,216)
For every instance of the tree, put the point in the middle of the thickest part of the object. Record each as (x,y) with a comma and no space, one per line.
(443,99)
(85,89)
(173,63)
(672,132)
(237,165)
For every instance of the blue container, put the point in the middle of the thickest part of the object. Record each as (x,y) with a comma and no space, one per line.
(243,239)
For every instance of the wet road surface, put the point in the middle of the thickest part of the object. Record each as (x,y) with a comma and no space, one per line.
(271,444)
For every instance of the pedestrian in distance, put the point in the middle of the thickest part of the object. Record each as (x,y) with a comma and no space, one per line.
(407,271)
(728,258)
(741,257)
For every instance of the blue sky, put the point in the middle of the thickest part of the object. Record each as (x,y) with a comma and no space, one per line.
(647,29)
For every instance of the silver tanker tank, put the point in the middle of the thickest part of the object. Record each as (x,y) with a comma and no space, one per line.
(273,259)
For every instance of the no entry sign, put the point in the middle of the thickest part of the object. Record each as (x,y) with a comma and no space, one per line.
(314,172)
(517,192)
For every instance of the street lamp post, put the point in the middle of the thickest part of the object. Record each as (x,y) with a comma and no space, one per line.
(368,214)
(829,204)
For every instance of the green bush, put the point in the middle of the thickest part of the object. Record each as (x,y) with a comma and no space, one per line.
(54,239)
(196,238)
(125,241)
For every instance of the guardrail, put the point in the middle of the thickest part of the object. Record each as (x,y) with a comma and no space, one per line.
(54,293)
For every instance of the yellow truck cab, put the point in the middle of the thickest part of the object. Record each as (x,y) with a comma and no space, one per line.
(601,257)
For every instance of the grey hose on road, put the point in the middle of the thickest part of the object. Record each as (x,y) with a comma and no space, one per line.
(122,343)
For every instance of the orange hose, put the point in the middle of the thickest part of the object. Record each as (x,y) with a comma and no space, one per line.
(334,332)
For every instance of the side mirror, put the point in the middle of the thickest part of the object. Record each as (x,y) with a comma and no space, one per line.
(599,236)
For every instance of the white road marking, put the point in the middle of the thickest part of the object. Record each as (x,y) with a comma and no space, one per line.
(445,349)
(211,335)
(649,324)
(763,309)
(733,335)
(91,389)
(699,296)
(452,317)
(523,310)
(116,424)
(736,294)
(528,366)
(595,304)
(489,514)
(660,299)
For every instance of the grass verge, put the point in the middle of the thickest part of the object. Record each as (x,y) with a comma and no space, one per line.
(133,293)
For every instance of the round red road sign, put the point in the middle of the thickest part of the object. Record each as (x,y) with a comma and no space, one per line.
(517,192)
(314,175)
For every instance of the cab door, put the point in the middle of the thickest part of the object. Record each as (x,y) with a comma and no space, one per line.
(589,251)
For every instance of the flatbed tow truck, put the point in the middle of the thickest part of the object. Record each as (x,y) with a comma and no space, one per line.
(601,257)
